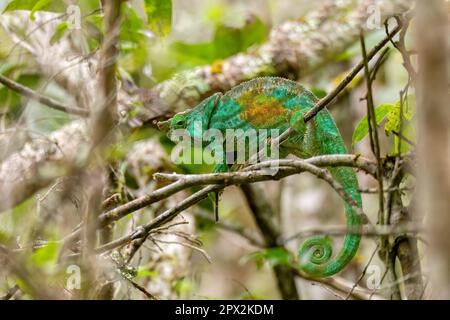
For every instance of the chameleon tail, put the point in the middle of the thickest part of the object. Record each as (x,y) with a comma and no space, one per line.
(315,253)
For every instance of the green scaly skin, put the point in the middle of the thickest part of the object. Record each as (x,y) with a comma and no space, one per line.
(277,103)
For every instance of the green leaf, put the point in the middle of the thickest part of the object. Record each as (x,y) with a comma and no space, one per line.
(318,92)
(38,6)
(254,32)
(409,110)
(159,16)
(60,30)
(93,26)
(144,272)
(228,41)
(97,20)
(6,69)
(20,5)
(409,133)
(362,129)
(406,128)
(197,53)
(132,26)
(46,255)
(275,256)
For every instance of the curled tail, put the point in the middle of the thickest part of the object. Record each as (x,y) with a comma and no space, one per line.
(316,253)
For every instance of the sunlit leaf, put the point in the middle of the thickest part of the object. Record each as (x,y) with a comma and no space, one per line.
(402,127)
(159,16)
(60,31)
(197,53)
(215,12)
(6,43)
(275,256)
(20,5)
(228,40)
(132,26)
(46,255)
(41,4)
(319,92)
(393,123)
(409,133)
(144,272)
(6,69)
(362,129)
(184,286)
(253,32)
(36,5)
(93,25)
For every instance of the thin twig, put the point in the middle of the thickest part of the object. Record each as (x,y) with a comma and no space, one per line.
(374,140)
(330,290)
(402,137)
(141,289)
(11,292)
(368,231)
(33,95)
(237,229)
(203,252)
(363,273)
(352,74)
(341,285)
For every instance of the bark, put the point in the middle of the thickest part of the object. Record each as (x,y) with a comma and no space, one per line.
(270,229)
(434,144)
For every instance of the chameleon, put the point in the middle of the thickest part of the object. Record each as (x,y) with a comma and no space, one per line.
(278,103)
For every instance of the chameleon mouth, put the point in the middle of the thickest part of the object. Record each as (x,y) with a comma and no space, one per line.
(164,126)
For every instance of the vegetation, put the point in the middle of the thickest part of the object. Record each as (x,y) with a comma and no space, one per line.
(93,206)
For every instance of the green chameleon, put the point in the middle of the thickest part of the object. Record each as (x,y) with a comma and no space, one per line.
(277,103)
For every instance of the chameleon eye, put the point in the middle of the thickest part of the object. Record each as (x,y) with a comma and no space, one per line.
(179,121)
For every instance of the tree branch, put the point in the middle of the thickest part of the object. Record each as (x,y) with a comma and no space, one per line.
(265,219)
(33,95)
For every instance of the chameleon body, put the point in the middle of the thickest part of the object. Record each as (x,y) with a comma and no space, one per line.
(277,103)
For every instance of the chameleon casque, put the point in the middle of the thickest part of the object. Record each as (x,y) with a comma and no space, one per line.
(277,103)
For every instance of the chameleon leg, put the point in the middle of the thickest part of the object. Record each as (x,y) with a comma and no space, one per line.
(297,123)
(214,197)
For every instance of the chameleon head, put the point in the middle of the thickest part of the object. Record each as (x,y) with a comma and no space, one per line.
(194,121)
(176,122)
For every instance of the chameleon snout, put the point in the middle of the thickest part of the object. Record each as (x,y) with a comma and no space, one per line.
(164,126)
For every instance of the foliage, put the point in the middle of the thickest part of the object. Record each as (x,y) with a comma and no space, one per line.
(396,120)
(35,5)
(362,129)
(273,256)
(150,51)
(159,16)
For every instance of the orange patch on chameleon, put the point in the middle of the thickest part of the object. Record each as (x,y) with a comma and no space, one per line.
(262,111)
